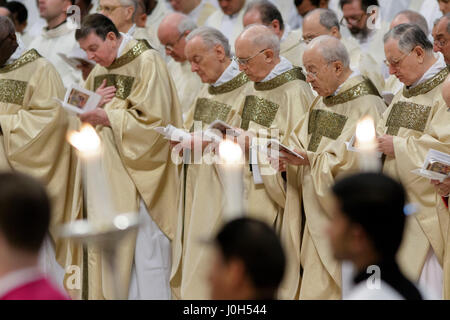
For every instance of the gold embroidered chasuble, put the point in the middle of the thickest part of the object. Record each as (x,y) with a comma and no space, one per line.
(313,273)
(418,119)
(136,158)
(33,140)
(201,212)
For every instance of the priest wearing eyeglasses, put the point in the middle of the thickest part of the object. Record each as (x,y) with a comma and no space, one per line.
(415,122)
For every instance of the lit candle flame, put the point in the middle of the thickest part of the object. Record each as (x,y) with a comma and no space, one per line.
(230,152)
(365,133)
(86,140)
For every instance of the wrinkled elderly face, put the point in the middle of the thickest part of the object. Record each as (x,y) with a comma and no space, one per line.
(173,42)
(257,62)
(442,39)
(101,51)
(50,9)
(403,65)
(119,15)
(312,28)
(322,76)
(205,61)
(230,7)
(355,17)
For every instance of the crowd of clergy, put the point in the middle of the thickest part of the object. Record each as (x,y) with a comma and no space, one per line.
(303,72)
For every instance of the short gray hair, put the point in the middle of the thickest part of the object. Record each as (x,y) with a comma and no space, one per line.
(130,3)
(267,40)
(211,37)
(327,18)
(447,16)
(186,24)
(331,49)
(409,36)
(6,26)
(267,10)
(415,18)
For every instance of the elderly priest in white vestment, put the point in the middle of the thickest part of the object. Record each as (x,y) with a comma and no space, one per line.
(141,176)
(172,33)
(415,122)
(264,12)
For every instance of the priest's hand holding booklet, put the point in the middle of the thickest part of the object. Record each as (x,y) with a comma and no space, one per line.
(281,155)
(79,100)
(435,167)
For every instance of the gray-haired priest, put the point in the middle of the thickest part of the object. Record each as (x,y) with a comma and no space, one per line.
(345,96)
(208,51)
(415,122)
(32,139)
(138,95)
(280,97)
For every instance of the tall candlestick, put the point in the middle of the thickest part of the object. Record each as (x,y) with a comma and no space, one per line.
(88,144)
(366,144)
(231,167)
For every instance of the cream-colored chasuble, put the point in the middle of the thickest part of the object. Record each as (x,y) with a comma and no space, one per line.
(313,273)
(202,210)
(136,158)
(33,130)
(418,119)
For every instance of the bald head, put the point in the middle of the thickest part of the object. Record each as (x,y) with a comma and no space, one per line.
(327,64)
(320,22)
(172,32)
(412,17)
(258,49)
(4,12)
(446,91)
(8,36)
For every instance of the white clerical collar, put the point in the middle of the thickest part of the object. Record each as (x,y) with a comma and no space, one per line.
(230,73)
(355,73)
(283,66)
(18,278)
(63,29)
(125,39)
(432,71)
(19,51)
(132,30)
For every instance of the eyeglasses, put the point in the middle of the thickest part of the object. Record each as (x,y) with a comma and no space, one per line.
(396,64)
(313,74)
(107,9)
(350,20)
(170,47)
(308,39)
(245,61)
(440,42)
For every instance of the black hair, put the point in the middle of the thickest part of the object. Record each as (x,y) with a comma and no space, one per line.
(258,247)
(375,202)
(18,11)
(24,211)
(364,3)
(97,23)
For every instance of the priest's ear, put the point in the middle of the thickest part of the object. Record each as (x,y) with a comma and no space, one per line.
(338,67)
(420,53)
(220,52)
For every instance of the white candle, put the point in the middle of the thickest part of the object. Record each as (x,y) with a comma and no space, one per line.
(231,167)
(366,143)
(88,144)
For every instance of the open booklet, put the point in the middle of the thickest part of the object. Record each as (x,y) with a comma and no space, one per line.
(436,166)
(272,145)
(213,132)
(351,146)
(79,100)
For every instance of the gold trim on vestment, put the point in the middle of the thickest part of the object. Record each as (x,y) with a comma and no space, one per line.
(295,73)
(258,110)
(324,123)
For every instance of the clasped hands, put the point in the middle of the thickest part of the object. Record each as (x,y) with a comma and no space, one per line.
(99,116)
